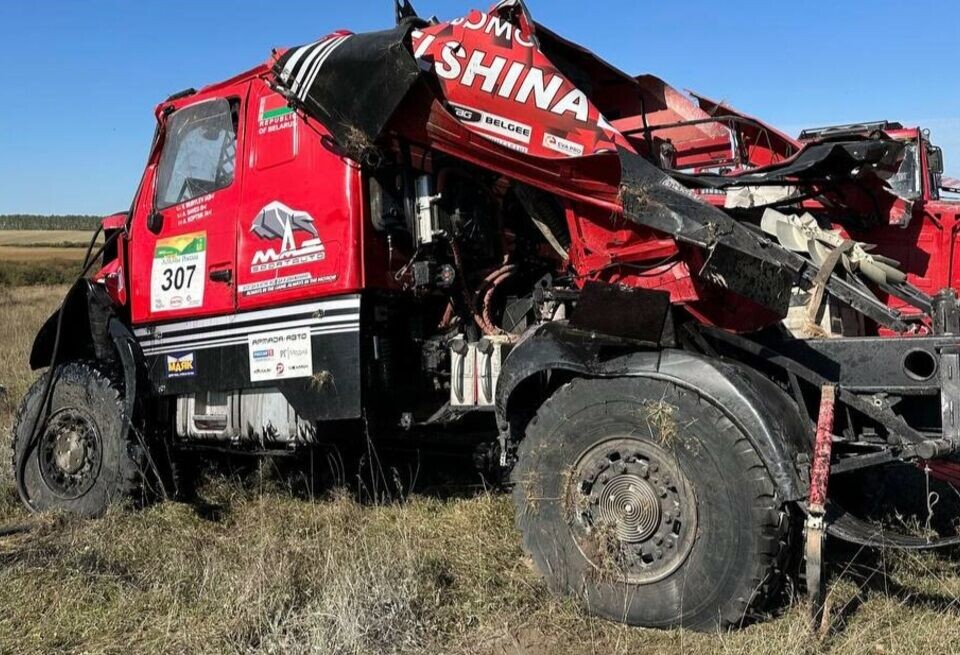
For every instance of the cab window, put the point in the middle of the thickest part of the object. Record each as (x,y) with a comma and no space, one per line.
(906,183)
(199,154)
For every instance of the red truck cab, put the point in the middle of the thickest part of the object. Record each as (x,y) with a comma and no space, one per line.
(244,204)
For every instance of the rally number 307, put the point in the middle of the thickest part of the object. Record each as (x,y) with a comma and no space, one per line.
(178,278)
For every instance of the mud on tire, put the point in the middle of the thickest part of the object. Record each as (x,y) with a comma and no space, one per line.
(79,463)
(646,503)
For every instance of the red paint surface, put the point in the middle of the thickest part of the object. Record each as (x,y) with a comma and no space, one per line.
(822,448)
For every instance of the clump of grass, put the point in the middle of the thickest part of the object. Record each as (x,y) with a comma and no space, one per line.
(660,417)
(38,272)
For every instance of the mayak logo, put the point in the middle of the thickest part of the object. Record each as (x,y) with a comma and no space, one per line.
(276,221)
(181,365)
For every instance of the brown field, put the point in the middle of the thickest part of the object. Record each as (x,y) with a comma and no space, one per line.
(43,245)
(254,569)
(40,253)
(34,238)
(31,257)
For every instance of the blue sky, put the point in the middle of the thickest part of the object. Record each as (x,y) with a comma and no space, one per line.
(79,80)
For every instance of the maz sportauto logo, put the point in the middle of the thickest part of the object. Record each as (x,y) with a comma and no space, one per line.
(275,222)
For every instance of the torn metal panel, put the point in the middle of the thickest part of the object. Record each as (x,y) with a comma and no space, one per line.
(843,159)
(352,83)
(652,198)
(764,143)
(761,281)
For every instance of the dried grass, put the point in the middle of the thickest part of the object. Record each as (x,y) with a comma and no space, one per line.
(269,573)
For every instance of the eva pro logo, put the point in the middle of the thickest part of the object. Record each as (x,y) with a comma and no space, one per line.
(277,222)
(181,365)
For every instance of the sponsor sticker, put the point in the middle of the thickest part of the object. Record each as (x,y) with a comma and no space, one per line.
(280,355)
(284,283)
(277,222)
(181,365)
(563,146)
(499,125)
(510,145)
(179,272)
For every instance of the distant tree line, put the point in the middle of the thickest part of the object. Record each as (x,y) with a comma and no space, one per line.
(48,222)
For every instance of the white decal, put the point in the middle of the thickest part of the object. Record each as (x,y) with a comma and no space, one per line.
(505,127)
(179,272)
(543,92)
(508,144)
(563,146)
(451,68)
(194,210)
(277,221)
(510,81)
(575,102)
(284,283)
(280,355)
(520,83)
(488,73)
(494,25)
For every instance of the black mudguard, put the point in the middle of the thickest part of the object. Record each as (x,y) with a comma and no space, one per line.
(764,412)
(87,310)
(90,329)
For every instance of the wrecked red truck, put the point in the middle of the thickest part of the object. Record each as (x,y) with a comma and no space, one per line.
(670,323)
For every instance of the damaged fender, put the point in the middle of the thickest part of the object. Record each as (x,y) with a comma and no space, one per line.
(761,410)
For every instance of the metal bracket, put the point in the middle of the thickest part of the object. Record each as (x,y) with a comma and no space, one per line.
(950,394)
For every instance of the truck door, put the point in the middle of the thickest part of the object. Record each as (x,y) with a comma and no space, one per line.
(184,231)
(301,209)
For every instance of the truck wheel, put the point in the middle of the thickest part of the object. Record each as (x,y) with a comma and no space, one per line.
(79,464)
(645,502)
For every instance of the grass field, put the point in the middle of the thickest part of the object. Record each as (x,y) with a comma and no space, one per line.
(254,569)
(31,257)
(45,238)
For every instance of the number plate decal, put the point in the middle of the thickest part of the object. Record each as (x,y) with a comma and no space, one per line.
(179,272)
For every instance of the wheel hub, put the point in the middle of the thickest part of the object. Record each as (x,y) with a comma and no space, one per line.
(631,504)
(633,514)
(69,453)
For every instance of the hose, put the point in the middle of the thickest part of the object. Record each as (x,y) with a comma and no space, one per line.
(547,216)
(489,286)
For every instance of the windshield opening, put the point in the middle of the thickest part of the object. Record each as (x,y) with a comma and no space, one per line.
(906,182)
(200,152)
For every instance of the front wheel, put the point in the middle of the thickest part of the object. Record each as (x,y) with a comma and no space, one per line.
(79,462)
(643,500)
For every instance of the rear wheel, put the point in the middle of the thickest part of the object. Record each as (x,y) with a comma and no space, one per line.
(648,504)
(79,461)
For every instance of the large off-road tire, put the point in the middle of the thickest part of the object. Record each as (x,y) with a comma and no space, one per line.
(80,463)
(645,502)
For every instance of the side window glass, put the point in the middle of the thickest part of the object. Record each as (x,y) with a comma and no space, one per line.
(199,154)
(906,183)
